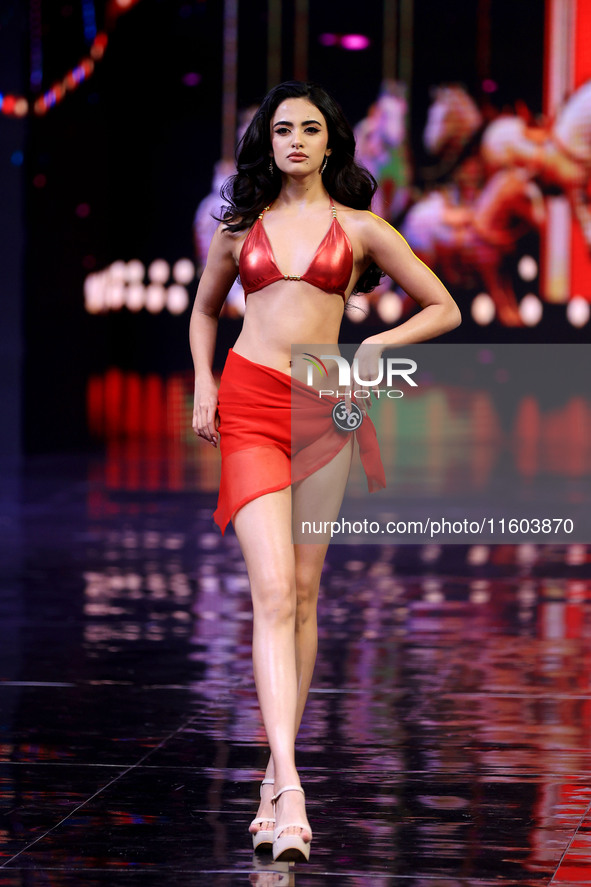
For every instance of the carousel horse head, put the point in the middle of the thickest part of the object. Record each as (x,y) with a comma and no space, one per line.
(452,119)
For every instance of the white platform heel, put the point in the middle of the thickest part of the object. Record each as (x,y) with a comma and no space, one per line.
(263,838)
(290,848)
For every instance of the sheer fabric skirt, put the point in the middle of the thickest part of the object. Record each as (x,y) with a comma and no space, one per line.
(275,431)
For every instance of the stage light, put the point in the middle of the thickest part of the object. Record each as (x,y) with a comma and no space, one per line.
(40,180)
(134,271)
(159,271)
(432,592)
(389,307)
(177,299)
(191,78)
(7,104)
(478,555)
(114,295)
(489,85)
(21,106)
(577,311)
(155,298)
(526,593)
(135,296)
(526,554)
(83,210)
(17,158)
(479,591)
(183,271)
(576,555)
(97,50)
(531,310)
(483,309)
(94,294)
(328,39)
(354,42)
(430,553)
(527,268)
(486,356)
(118,271)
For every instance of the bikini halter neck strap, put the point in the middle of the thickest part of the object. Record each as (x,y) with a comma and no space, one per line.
(269,205)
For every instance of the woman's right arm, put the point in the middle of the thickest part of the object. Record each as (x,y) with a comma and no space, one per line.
(217,278)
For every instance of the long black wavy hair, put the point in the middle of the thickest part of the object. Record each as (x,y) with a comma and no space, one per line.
(255,186)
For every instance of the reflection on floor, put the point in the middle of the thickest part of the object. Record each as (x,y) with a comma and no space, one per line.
(447,740)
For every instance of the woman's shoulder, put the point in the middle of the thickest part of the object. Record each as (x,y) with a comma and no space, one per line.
(362,222)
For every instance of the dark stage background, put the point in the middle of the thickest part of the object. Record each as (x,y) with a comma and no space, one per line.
(114,170)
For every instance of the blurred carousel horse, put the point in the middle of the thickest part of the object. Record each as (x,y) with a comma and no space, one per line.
(207,219)
(382,148)
(204,227)
(453,121)
(466,244)
(558,154)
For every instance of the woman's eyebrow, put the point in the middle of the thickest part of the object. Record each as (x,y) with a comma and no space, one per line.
(288,123)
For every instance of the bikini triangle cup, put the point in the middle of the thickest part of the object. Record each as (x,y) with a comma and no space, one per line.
(330,269)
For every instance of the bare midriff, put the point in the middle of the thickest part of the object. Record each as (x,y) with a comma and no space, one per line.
(284,314)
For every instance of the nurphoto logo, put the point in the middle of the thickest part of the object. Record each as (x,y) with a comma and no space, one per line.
(388,369)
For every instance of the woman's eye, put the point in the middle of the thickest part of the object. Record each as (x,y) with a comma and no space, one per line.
(281,131)
(312,130)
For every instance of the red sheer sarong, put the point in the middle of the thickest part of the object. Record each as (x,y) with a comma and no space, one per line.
(256,405)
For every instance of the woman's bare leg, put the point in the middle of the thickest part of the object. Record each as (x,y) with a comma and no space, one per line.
(263,528)
(309,561)
(320,495)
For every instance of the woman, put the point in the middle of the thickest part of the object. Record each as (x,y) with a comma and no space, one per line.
(296,178)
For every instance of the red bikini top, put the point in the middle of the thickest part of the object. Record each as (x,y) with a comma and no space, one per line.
(330,269)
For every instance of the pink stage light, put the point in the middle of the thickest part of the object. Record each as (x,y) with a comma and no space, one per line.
(489,85)
(183,271)
(328,39)
(159,271)
(578,311)
(355,42)
(483,309)
(531,310)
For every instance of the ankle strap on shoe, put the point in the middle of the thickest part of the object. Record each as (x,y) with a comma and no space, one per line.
(287,788)
(266,781)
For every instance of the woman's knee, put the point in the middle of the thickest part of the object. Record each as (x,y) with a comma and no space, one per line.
(306,598)
(274,599)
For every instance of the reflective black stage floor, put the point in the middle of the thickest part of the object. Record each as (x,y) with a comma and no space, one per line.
(446,742)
